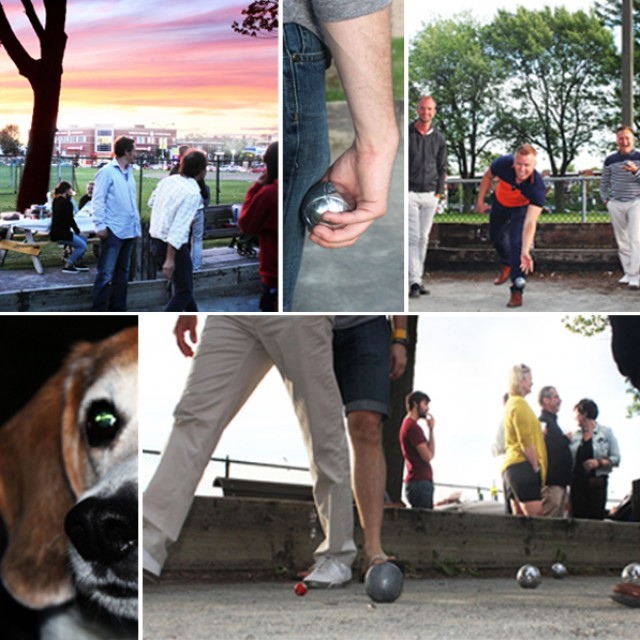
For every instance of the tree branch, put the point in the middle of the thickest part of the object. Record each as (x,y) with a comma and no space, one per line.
(33,18)
(15,50)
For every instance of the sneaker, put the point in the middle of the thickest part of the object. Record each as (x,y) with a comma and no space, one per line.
(81,266)
(69,268)
(624,279)
(414,291)
(328,573)
(634,281)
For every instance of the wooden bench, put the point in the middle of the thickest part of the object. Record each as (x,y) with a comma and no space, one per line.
(219,222)
(240,488)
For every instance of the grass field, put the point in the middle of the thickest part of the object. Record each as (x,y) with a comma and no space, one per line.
(233,188)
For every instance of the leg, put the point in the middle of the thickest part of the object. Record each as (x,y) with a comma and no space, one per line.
(420,494)
(182,299)
(533,508)
(120,282)
(109,252)
(553,501)
(618,214)
(197,233)
(306,140)
(362,365)
(498,221)
(427,214)
(228,365)
(633,232)
(79,245)
(416,264)
(515,243)
(300,347)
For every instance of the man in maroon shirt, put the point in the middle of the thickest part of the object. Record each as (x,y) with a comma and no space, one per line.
(418,451)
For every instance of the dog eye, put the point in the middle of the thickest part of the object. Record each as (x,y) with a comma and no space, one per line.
(103,423)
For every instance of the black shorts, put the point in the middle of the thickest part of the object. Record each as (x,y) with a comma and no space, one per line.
(523,482)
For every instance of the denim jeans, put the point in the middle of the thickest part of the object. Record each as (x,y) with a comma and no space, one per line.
(508,243)
(197,233)
(305,136)
(182,279)
(112,278)
(79,245)
(420,494)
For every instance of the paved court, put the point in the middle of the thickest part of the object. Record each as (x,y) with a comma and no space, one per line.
(462,607)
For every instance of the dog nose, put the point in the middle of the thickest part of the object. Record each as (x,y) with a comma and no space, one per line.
(103,529)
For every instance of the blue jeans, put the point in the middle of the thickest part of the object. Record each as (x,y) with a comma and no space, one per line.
(182,279)
(507,241)
(79,245)
(197,233)
(112,278)
(420,494)
(306,139)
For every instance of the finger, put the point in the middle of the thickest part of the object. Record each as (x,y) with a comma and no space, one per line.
(334,237)
(357,216)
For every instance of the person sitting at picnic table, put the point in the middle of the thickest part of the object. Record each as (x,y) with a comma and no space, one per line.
(64,228)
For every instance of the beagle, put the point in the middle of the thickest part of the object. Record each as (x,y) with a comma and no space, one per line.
(72,445)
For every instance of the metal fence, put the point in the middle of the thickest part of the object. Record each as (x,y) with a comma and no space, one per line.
(65,169)
(571,198)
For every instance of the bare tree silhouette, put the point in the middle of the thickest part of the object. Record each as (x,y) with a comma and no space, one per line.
(261,19)
(45,77)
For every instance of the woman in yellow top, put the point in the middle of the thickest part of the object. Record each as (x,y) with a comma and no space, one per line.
(525,463)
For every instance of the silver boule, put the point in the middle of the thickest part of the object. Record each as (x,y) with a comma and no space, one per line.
(520,282)
(528,576)
(323,197)
(631,573)
(558,570)
(383,582)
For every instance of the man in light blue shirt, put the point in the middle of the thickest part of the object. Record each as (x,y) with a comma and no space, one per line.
(117,222)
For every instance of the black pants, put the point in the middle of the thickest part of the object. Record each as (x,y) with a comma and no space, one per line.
(589,497)
(182,298)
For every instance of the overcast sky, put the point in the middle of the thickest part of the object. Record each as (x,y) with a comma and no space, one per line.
(462,363)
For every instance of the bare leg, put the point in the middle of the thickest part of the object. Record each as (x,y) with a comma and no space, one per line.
(369,478)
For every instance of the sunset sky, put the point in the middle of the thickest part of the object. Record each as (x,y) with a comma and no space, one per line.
(155,63)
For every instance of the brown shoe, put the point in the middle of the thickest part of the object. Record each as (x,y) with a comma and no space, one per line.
(503,276)
(515,300)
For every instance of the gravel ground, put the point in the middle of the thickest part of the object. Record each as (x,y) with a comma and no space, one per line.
(496,608)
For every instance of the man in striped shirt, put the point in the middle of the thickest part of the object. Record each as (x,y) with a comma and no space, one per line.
(620,191)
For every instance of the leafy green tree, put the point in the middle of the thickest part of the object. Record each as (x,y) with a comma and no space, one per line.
(448,60)
(595,324)
(559,89)
(10,140)
(45,77)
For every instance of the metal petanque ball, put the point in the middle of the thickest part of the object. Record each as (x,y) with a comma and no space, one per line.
(323,197)
(558,570)
(631,573)
(528,576)
(383,582)
(520,283)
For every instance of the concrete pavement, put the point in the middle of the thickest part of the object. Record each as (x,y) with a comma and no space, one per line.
(369,276)
(454,607)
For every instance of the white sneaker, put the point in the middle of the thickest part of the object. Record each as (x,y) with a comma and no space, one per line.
(634,281)
(624,279)
(328,573)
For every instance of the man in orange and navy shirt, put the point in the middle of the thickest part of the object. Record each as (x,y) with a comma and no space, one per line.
(516,205)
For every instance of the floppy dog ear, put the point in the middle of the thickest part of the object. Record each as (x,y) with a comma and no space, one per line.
(34,500)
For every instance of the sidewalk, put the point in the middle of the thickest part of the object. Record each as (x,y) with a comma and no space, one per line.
(587,291)
(459,607)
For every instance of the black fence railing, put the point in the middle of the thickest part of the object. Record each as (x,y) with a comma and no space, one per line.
(570,199)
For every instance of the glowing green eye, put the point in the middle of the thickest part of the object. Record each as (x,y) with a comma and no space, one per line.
(105,419)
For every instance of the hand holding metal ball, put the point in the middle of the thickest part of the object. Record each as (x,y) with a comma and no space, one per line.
(324,197)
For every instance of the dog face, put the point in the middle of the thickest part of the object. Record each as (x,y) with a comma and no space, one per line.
(66,440)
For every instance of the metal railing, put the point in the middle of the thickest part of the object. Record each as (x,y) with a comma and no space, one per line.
(571,198)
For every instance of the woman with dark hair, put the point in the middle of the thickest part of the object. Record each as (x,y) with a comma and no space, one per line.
(64,228)
(174,204)
(259,217)
(595,453)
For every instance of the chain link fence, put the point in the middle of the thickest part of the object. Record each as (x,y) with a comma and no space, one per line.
(570,199)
